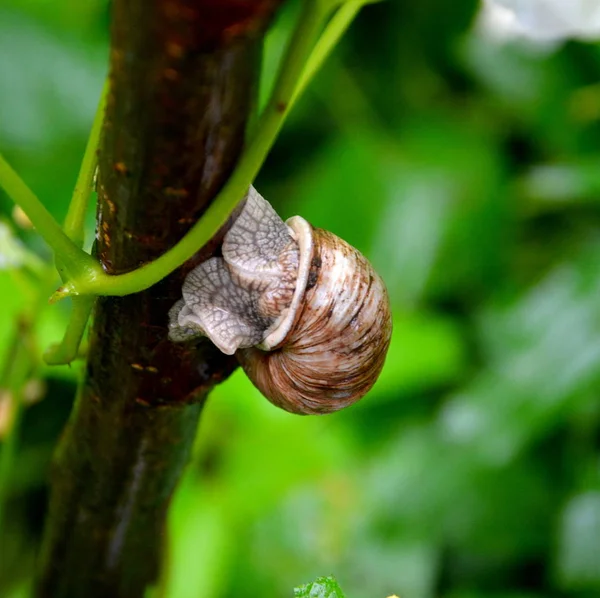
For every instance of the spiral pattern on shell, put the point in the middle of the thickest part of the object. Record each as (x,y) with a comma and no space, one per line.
(336,347)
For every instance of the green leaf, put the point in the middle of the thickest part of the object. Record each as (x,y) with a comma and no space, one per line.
(322,587)
(543,357)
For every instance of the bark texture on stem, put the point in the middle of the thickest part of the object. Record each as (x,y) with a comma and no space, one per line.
(183,79)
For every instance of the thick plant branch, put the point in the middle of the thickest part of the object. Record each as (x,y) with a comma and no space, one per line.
(182,85)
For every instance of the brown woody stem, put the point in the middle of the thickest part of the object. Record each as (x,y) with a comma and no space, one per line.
(182,87)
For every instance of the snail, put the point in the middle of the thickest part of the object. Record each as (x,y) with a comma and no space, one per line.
(306,315)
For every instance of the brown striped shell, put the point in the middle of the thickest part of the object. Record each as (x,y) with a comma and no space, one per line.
(335,349)
(309,320)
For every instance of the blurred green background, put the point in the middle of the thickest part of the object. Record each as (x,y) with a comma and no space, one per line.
(466,168)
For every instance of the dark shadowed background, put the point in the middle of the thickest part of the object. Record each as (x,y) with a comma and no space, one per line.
(465,165)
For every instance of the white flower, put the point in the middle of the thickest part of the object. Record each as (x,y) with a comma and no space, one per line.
(542,20)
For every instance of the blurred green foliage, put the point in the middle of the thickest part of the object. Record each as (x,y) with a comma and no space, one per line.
(467,170)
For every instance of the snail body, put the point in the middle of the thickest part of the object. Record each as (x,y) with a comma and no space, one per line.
(305,313)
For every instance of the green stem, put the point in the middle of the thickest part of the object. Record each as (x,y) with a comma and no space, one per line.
(334,31)
(76,261)
(67,350)
(74,222)
(299,48)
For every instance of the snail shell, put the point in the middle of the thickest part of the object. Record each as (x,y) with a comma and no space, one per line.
(305,313)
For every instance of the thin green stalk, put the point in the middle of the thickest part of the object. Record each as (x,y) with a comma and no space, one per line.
(74,222)
(67,350)
(77,262)
(299,49)
(334,31)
